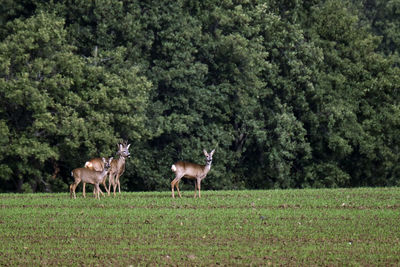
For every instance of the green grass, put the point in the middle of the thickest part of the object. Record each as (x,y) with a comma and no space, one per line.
(275,227)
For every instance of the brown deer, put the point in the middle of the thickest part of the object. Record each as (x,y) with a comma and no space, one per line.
(96,164)
(89,176)
(118,167)
(191,171)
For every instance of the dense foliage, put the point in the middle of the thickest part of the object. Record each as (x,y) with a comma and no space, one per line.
(292,94)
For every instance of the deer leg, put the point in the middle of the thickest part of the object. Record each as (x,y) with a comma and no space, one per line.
(110,181)
(84,191)
(95,192)
(70,190)
(74,185)
(115,184)
(173,184)
(101,192)
(177,188)
(198,186)
(172,188)
(195,189)
(97,188)
(104,185)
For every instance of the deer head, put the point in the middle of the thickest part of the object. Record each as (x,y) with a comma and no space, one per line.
(123,149)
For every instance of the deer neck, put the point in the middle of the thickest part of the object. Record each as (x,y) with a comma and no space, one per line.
(104,171)
(207,167)
(121,162)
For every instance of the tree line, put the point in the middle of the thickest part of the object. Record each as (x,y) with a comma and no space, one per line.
(290,94)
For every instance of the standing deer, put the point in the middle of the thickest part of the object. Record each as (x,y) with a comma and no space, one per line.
(89,176)
(118,167)
(191,171)
(96,164)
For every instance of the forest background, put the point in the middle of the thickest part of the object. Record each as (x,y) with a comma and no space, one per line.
(290,93)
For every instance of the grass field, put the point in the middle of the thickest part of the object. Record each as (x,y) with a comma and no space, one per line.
(274,227)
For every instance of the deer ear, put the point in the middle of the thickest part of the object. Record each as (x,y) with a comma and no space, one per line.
(128,146)
(104,160)
(212,152)
(205,153)
(110,159)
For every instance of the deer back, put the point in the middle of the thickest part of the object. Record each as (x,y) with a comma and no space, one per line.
(95,164)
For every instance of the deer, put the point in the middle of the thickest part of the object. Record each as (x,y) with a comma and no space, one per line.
(96,164)
(118,167)
(89,176)
(191,171)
